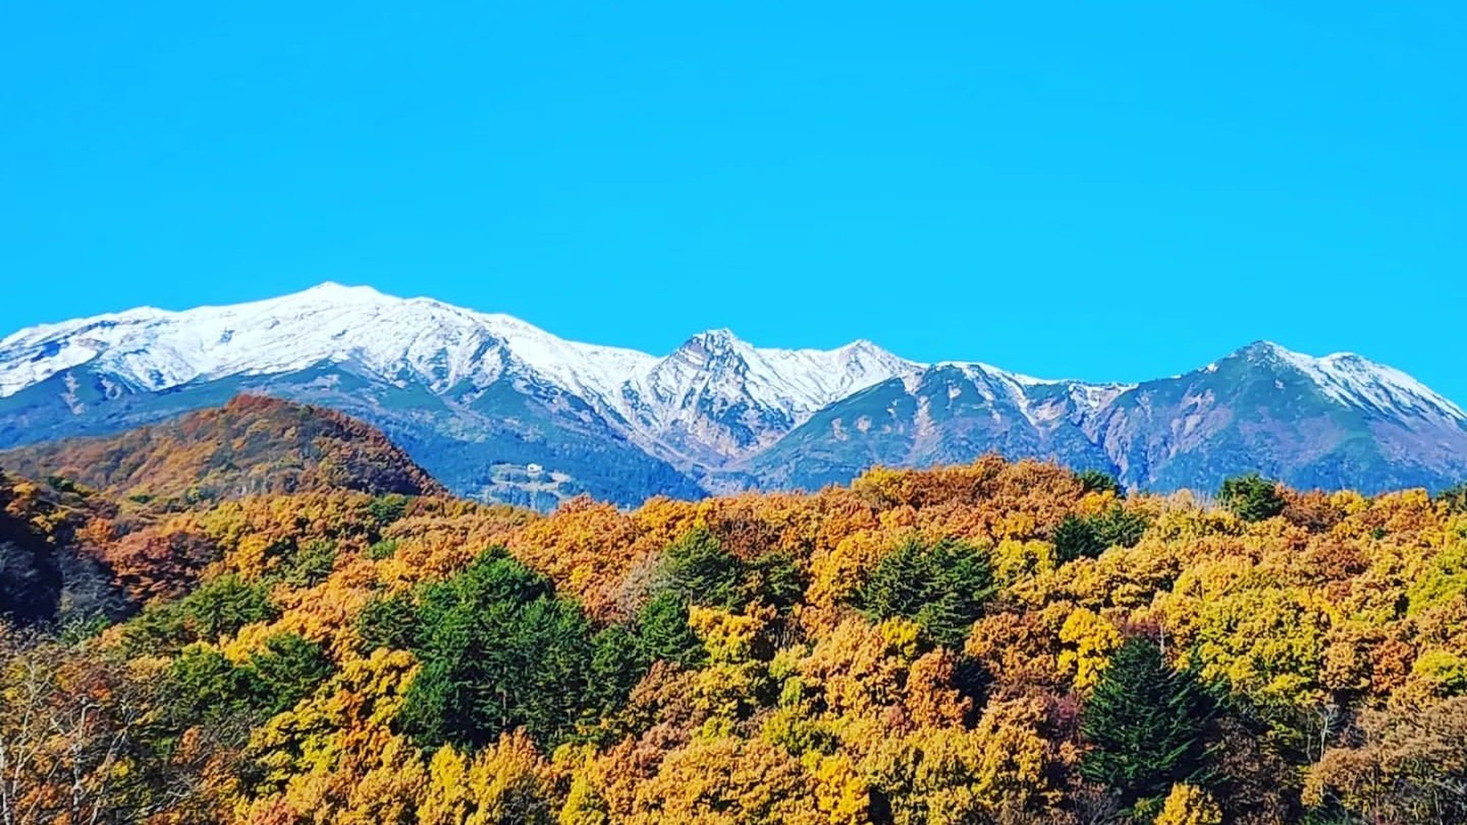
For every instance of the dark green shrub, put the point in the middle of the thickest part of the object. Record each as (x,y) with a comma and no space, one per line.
(1076,538)
(218,608)
(617,663)
(772,579)
(310,565)
(1099,481)
(1079,537)
(62,484)
(288,670)
(386,509)
(663,633)
(388,621)
(1454,498)
(202,686)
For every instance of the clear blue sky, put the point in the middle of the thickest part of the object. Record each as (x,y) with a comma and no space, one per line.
(1097,190)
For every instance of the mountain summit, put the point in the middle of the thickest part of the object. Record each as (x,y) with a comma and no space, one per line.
(496,407)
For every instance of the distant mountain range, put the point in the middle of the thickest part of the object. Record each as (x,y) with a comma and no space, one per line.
(497,408)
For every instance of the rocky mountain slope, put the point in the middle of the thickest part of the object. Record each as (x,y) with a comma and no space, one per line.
(1334,422)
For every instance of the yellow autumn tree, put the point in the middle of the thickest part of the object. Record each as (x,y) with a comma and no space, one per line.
(1189,805)
(508,783)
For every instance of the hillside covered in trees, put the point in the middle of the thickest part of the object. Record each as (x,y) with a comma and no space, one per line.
(997,642)
(254,445)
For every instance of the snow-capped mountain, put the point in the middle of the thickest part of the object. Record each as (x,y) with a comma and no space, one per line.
(398,340)
(1359,382)
(716,396)
(497,407)
(1338,421)
(425,371)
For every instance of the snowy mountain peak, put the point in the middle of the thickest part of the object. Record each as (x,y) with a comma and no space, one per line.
(711,406)
(720,337)
(713,345)
(1356,381)
(718,395)
(337,290)
(448,349)
(338,287)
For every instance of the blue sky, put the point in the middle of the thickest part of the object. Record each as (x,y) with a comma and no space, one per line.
(1095,190)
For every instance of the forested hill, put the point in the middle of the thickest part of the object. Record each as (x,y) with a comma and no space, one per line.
(993,642)
(251,446)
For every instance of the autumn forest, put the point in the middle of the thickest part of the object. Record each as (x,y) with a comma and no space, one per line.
(188,641)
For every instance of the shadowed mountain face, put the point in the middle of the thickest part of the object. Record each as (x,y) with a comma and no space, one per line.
(942,415)
(498,409)
(251,446)
(1268,409)
(1262,408)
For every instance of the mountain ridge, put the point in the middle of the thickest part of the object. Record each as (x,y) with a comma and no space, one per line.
(480,398)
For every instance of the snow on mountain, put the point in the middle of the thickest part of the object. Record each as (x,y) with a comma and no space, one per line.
(392,338)
(1042,401)
(444,347)
(713,375)
(1356,381)
(477,395)
(718,397)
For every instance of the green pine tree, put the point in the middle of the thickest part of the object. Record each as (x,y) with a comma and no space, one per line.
(1085,537)
(941,587)
(1076,538)
(698,569)
(499,651)
(289,669)
(1251,497)
(388,621)
(1454,498)
(1099,481)
(663,633)
(1145,725)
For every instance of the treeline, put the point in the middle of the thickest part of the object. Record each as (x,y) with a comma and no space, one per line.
(1007,643)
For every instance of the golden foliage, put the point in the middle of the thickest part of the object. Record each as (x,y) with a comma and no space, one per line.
(508,783)
(1189,805)
(1337,632)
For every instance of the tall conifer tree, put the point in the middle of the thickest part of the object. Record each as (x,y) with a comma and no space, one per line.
(1145,724)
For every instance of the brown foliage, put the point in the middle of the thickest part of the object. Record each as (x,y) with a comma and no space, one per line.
(1410,766)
